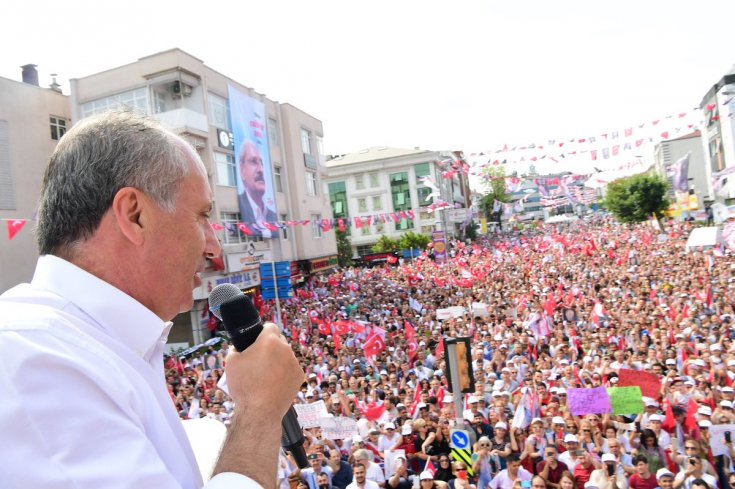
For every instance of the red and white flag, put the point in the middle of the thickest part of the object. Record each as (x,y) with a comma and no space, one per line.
(14,226)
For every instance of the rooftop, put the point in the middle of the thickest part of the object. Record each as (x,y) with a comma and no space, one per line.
(372,154)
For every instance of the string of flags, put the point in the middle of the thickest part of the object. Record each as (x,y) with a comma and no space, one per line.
(601,146)
(14,226)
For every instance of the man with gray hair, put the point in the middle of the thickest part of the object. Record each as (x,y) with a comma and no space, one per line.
(123,233)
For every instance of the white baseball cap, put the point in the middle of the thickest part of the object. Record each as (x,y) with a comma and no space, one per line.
(569,438)
(608,457)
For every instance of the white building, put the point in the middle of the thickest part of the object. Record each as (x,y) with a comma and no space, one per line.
(377,182)
(718,132)
(669,152)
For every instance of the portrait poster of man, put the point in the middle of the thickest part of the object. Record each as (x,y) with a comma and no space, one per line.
(252,164)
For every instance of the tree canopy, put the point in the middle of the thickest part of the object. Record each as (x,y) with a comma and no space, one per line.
(636,198)
(494,183)
(385,245)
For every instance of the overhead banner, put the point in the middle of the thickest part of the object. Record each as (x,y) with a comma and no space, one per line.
(254,174)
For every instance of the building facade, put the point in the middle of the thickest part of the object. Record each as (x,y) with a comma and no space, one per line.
(391,191)
(193,100)
(718,133)
(32,120)
(669,152)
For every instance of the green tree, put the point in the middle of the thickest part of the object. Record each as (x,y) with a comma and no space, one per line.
(385,245)
(471,230)
(636,198)
(344,250)
(494,185)
(414,240)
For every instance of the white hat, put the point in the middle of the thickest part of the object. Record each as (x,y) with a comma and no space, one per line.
(670,361)
(608,457)
(501,425)
(726,404)
(557,420)
(587,359)
(655,417)
(421,405)
(312,376)
(447,398)
(705,411)
(426,475)
(389,426)
(727,389)
(699,363)
(660,473)
(561,390)
(554,389)
(705,423)
(406,429)
(472,400)
(357,439)
(536,420)
(715,346)
(591,485)
(731,363)
(651,403)
(570,438)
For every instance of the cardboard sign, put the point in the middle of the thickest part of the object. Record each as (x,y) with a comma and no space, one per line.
(338,428)
(717,438)
(588,401)
(309,415)
(443,314)
(626,400)
(649,383)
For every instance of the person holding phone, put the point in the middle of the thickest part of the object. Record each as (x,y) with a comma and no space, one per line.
(693,472)
(611,475)
(551,469)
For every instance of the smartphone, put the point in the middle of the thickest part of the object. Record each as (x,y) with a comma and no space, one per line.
(610,469)
(728,437)
(462,474)
(526,484)
(692,461)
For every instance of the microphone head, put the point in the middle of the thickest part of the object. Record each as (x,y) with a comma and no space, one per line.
(221,294)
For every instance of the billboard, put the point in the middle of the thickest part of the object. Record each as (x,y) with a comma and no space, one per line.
(254,173)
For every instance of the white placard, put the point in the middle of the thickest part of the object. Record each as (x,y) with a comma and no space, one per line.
(443,314)
(717,438)
(390,461)
(338,428)
(310,414)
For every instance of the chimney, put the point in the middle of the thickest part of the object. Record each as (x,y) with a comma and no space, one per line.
(30,74)
(55,86)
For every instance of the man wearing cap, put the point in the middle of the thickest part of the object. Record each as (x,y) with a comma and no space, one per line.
(569,457)
(389,439)
(310,475)
(665,479)
(469,414)
(602,477)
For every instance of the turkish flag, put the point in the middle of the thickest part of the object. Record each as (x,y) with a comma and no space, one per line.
(341,327)
(410,332)
(244,228)
(341,224)
(413,347)
(217,226)
(357,327)
(15,225)
(439,349)
(324,328)
(372,411)
(373,346)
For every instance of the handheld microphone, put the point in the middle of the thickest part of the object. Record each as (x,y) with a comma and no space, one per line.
(243,323)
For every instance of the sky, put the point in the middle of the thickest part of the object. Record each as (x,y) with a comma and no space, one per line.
(462,75)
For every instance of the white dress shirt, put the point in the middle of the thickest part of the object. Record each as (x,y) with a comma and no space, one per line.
(85,403)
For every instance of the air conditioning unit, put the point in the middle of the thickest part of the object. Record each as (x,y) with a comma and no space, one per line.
(179,89)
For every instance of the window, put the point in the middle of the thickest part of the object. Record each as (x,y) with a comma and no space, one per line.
(338,199)
(359,182)
(365,230)
(311,183)
(377,203)
(319,145)
(363,250)
(231,233)
(316,225)
(277,178)
(284,229)
(424,198)
(362,205)
(219,112)
(225,169)
(421,170)
(379,226)
(272,132)
(134,99)
(427,229)
(58,127)
(401,196)
(305,141)
(374,180)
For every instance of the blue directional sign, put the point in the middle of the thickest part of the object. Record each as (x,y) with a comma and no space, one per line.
(459,439)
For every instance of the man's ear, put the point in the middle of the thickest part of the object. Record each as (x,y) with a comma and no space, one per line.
(128,206)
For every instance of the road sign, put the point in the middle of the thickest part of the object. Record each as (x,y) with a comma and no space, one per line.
(459,439)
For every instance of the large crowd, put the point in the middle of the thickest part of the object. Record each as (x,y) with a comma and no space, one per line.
(547,310)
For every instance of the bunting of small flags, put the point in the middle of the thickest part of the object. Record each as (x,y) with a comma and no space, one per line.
(14,226)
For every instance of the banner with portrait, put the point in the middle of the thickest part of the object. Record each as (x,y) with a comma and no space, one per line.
(254,173)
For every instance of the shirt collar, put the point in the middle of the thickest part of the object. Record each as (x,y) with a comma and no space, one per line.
(115,312)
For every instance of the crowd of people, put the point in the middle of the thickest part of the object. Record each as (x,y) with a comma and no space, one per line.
(547,310)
